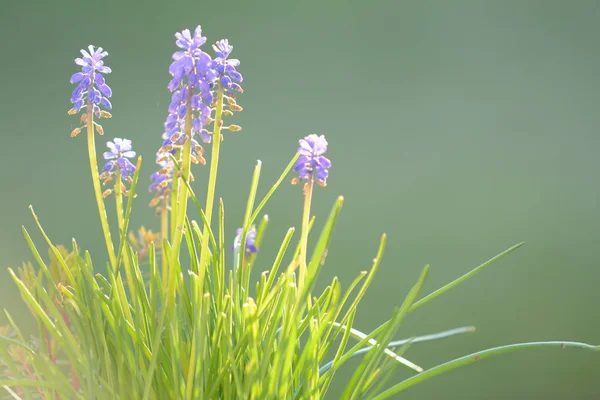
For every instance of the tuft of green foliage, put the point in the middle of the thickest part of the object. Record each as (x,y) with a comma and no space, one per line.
(186,325)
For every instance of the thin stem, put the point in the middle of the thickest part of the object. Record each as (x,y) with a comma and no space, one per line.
(164,232)
(97,187)
(212,182)
(121,222)
(308,189)
(174,199)
(182,193)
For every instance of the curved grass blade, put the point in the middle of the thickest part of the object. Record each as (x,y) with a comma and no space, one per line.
(397,343)
(466,276)
(272,190)
(480,355)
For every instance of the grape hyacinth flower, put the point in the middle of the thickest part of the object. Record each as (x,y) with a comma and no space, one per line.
(312,164)
(118,158)
(250,240)
(228,76)
(91,82)
(193,79)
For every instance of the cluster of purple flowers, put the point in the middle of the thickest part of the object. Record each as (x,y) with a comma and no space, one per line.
(312,163)
(225,68)
(117,157)
(91,81)
(194,79)
(191,85)
(195,76)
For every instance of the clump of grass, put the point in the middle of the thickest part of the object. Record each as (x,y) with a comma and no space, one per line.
(177,315)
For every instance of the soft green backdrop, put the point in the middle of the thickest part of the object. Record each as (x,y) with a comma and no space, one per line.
(457,127)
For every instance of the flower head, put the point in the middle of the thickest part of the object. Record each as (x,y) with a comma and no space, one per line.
(228,75)
(118,156)
(250,240)
(91,81)
(312,163)
(192,82)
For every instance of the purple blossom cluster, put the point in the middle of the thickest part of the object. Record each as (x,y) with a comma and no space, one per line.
(191,85)
(118,161)
(118,157)
(225,68)
(91,81)
(195,77)
(312,163)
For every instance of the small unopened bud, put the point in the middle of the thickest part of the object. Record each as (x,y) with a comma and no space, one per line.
(154,202)
(226,113)
(236,108)
(72,111)
(234,128)
(75,132)
(83,118)
(220,123)
(99,129)
(105,114)
(198,159)
(295,181)
(306,188)
(108,180)
(106,193)
(230,100)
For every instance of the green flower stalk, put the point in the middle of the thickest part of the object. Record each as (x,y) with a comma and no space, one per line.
(227,83)
(91,83)
(120,169)
(189,111)
(311,166)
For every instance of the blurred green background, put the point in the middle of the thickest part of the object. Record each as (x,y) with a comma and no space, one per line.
(458,127)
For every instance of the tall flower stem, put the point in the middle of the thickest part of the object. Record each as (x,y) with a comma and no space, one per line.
(97,187)
(212,182)
(308,190)
(121,221)
(174,200)
(164,233)
(182,193)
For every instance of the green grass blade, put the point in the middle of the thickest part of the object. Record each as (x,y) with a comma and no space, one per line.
(272,190)
(415,340)
(471,358)
(466,276)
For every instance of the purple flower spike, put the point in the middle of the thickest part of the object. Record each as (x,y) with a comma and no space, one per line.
(312,164)
(228,76)
(250,240)
(120,152)
(192,83)
(91,87)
